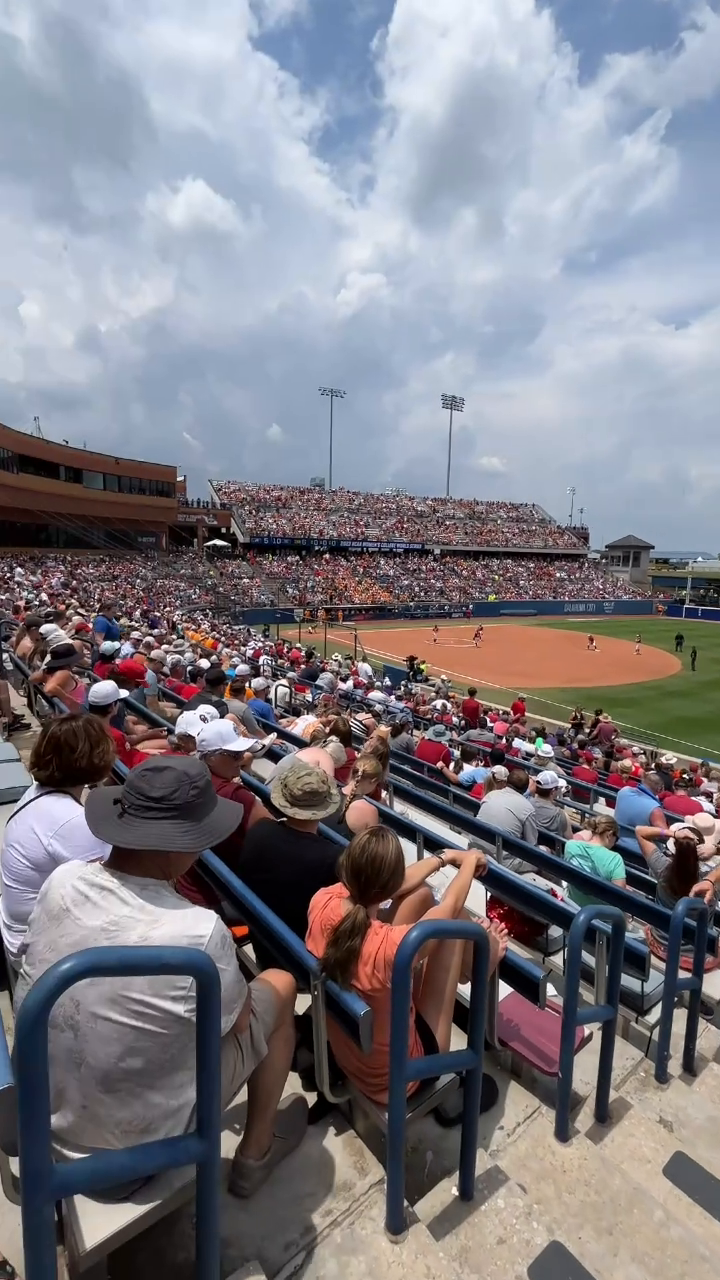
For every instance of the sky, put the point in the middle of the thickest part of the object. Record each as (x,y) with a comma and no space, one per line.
(209,211)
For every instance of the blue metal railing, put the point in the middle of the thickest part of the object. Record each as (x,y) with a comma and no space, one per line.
(42,1181)
(690,982)
(404,1071)
(605,1013)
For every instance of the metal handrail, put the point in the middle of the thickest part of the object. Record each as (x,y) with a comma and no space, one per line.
(573,1017)
(405,1071)
(42,1181)
(674,984)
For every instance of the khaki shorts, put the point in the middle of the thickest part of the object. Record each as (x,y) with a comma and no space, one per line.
(241,1054)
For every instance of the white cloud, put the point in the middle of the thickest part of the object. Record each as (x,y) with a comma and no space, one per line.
(191,205)
(275,434)
(491,465)
(174,238)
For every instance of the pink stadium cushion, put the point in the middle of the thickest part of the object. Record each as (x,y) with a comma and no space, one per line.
(534,1034)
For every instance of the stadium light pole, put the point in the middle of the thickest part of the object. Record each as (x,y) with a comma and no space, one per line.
(572,491)
(455,404)
(335,394)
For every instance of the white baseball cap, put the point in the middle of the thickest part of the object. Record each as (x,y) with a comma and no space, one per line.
(548,780)
(106,692)
(259,684)
(242,669)
(203,664)
(191,722)
(175,660)
(109,647)
(222,735)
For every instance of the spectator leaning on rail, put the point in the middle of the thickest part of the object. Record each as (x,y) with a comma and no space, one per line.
(356,937)
(122,1054)
(640,807)
(47,827)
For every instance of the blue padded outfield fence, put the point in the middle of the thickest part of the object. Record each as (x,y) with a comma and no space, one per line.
(285,616)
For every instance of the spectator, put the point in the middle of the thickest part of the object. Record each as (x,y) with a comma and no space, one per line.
(519,706)
(259,704)
(357,947)
(621,776)
(401,737)
(211,693)
(104,626)
(674,861)
(57,679)
(432,747)
(510,810)
(665,768)
(283,692)
(354,813)
(549,816)
(639,806)
(135,1039)
(593,851)
(285,863)
(471,709)
(47,826)
(104,699)
(679,801)
(105,665)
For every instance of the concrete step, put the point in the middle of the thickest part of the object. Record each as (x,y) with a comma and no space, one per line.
(496,1236)
(687,1109)
(641,1145)
(600,1212)
(358,1248)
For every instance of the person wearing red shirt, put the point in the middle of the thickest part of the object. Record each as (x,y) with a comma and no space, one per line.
(105,665)
(584,773)
(679,802)
(518,707)
(221,749)
(621,776)
(471,709)
(432,747)
(103,700)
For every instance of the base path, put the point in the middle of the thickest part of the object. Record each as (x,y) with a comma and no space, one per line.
(523,658)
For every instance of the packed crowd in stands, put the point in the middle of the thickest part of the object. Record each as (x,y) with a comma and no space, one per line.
(285,511)
(377,578)
(109,870)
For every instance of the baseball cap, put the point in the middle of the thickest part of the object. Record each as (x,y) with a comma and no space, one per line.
(203,664)
(222,735)
(175,660)
(242,669)
(191,722)
(104,693)
(132,670)
(548,779)
(136,635)
(259,684)
(109,648)
(157,655)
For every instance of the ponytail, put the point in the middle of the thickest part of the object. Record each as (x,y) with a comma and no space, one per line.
(365,768)
(344,946)
(372,869)
(684,870)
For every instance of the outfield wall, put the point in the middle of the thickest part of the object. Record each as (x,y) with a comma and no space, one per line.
(693,612)
(480,609)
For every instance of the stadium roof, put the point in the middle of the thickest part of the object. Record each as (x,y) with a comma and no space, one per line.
(630,541)
(684,555)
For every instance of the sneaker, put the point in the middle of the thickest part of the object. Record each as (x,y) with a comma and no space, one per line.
(247,1176)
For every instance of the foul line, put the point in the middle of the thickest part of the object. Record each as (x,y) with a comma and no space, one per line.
(698,749)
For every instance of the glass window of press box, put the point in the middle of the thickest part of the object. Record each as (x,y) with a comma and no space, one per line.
(25,464)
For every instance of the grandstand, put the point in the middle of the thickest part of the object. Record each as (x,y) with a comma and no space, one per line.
(584,1167)
(383,548)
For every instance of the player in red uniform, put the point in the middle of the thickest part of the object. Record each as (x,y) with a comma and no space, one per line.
(478,637)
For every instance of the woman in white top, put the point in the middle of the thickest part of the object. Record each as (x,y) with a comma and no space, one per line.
(47,826)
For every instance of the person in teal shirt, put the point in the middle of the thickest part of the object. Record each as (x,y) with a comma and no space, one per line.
(594,852)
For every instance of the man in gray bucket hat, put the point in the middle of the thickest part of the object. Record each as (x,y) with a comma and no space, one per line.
(122,1053)
(285,863)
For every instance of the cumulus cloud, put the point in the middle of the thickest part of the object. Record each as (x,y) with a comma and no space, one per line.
(493,466)
(492,223)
